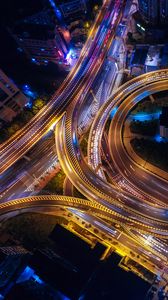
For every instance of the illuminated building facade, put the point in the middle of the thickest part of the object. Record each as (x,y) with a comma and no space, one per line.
(73,9)
(41,38)
(164,11)
(11,98)
(154,12)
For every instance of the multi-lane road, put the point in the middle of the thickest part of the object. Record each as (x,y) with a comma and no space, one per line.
(139,215)
(13,149)
(122,103)
(29,171)
(91,214)
(146,216)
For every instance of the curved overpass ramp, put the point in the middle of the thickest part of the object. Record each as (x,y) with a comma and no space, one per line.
(128,208)
(134,92)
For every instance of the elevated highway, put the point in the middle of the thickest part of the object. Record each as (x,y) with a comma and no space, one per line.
(95,48)
(85,212)
(136,173)
(121,104)
(128,208)
(139,217)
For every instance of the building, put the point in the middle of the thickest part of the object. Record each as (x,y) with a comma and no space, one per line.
(164,11)
(164,57)
(137,62)
(41,38)
(11,98)
(154,12)
(164,122)
(68,265)
(18,280)
(12,261)
(113,282)
(129,264)
(73,10)
(32,289)
(11,251)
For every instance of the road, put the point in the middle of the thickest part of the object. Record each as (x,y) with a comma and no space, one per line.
(25,175)
(139,217)
(127,172)
(14,148)
(87,211)
(38,163)
(151,218)
(136,173)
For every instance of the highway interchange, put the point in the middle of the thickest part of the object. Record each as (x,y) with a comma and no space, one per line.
(139,208)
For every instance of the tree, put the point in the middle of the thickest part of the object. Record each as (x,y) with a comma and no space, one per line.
(39,103)
(13,129)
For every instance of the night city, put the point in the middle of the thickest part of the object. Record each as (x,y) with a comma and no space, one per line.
(84,150)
